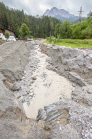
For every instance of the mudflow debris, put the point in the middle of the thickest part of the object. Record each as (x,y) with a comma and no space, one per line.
(45,91)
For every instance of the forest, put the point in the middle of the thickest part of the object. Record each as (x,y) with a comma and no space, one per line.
(45,26)
(81,30)
(12,19)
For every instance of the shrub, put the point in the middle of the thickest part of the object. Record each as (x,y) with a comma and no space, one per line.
(7,34)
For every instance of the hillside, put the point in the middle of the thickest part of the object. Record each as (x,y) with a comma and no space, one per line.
(12,19)
(61,14)
(46,25)
(73,19)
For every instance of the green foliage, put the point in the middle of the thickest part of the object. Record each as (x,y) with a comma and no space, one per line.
(2,41)
(24,30)
(58,38)
(13,19)
(81,30)
(75,43)
(76,32)
(64,30)
(43,27)
(50,39)
(52,28)
(7,34)
(47,38)
(54,40)
(84,24)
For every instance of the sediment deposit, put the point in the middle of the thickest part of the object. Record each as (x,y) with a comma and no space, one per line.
(45,91)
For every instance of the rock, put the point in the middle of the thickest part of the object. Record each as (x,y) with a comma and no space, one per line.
(21,98)
(24,72)
(74,119)
(81,96)
(62,132)
(25,94)
(17,96)
(65,60)
(41,115)
(8,84)
(48,127)
(31,82)
(14,60)
(90,89)
(52,113)
(73,85)
(33,77)
(23,101)
(16,87)
(31,94)
(74,77)
(60,98)
(32,91)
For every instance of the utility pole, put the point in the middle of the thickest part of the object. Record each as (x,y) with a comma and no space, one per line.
(80,15)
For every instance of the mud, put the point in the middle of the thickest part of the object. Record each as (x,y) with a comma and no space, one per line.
(50,84)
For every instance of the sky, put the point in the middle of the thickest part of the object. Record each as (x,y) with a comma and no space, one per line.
(34,7)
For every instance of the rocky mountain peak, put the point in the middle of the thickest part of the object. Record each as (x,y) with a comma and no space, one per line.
(54,8)
(47,11)
(55,11)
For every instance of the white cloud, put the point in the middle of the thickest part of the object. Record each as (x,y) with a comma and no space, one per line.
(34,7)
(26,1)
(43,7)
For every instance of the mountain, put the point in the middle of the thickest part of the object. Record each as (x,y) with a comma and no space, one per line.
(70,19)
(54,12)
(37,16)
(61,14)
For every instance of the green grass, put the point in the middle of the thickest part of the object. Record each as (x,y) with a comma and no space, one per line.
(74,43)
(2,40)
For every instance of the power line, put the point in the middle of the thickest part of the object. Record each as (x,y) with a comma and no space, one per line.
(80,14)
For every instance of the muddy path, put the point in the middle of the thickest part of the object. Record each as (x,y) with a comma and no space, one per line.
(40,86)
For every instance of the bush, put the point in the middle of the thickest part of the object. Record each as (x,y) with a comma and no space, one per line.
(54,40)
(58,38)
(47,38)
(7,34)
(24,31)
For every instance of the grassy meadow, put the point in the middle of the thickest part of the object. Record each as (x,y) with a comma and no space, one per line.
(74,43)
